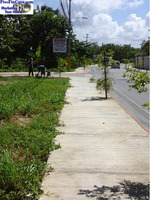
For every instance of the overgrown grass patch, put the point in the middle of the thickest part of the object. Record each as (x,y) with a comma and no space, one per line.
(29,110)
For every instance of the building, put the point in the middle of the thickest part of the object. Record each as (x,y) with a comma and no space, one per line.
(142,61)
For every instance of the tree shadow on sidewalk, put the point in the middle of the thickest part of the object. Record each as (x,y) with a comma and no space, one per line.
(95,98)
(124,190)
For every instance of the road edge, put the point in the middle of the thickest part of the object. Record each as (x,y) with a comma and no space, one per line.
(142,125)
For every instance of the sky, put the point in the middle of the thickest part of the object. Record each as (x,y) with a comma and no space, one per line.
(108,21)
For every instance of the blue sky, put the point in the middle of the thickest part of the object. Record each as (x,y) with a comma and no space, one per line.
(52,3)
(121,15)
(108,21)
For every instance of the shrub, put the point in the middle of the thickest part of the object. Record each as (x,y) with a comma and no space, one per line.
(125,61)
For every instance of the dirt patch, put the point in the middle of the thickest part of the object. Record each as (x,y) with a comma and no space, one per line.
(3,82)
(20,120)
(7,82)
(21,155)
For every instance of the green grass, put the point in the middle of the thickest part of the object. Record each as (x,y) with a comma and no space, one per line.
(29,110)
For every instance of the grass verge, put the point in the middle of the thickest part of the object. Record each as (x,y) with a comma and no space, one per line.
(29,110)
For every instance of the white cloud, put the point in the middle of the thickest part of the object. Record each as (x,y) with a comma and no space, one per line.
(103,29)
(135,27)
(147,21)
(135,3)
(108,5)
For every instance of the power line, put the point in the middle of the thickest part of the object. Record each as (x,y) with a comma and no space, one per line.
(67,6)
(63,10)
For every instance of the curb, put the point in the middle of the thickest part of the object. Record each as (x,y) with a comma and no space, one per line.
(142,125)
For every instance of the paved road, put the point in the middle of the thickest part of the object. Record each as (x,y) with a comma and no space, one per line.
(130,99)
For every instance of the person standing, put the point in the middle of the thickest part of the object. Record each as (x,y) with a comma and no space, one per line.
(31,67)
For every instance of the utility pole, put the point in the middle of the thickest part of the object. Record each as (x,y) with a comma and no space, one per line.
(69,39)
(87,36)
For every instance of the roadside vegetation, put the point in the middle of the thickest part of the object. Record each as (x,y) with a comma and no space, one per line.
(138,80)
(105,82)
(19,41)
(29,111)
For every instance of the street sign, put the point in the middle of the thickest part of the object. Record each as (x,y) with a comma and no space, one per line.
(59,45)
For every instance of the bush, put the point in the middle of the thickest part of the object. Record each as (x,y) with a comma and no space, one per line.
(125,61)
(18,65)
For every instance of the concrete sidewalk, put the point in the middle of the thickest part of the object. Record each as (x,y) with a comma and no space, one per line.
(102,146)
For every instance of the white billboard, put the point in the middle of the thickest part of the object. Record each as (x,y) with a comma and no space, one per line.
(59,45)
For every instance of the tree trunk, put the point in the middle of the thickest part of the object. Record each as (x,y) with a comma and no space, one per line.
(105,82)
(9,62)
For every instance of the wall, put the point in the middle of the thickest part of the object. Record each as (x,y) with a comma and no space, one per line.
(142,62)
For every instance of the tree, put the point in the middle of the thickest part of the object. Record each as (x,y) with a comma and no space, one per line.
(139,80)
(145,47)
(7,39)
(104,83)
(18,33)
(83,52)
(121,52)
(15,37)
(48,24)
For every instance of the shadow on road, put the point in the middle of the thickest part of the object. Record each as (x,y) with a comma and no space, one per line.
(124,190)
(95,98)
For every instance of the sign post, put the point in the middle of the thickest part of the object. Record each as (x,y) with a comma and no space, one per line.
(59,45)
